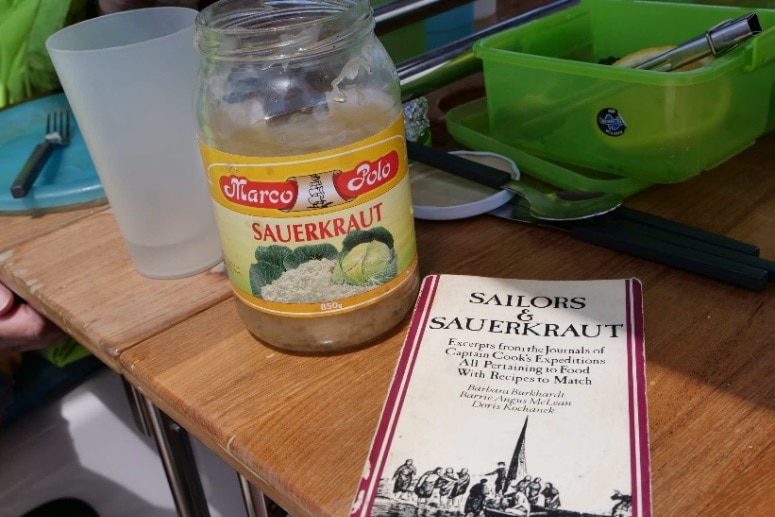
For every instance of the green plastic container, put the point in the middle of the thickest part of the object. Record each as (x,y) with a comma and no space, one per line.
(548,93)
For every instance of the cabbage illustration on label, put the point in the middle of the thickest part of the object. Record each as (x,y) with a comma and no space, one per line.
(368,258)
(282,274)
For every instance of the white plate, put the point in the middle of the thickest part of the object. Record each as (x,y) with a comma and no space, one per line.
(439,195)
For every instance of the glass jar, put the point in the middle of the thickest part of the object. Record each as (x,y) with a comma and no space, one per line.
(302,136)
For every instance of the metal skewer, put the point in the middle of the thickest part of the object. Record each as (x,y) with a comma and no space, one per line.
(716,41)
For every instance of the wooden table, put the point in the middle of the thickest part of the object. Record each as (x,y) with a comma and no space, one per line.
(299,428)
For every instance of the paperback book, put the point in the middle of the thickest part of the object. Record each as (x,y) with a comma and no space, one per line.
(515,397)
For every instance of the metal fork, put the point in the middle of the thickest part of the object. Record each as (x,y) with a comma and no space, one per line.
(57,134)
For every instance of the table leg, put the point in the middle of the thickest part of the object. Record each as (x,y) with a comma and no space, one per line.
(175,452)
(179,464)
(255,504)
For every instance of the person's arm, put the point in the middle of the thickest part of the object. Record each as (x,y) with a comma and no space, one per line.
(22,328)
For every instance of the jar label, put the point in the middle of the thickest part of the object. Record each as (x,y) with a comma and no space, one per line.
(327,232)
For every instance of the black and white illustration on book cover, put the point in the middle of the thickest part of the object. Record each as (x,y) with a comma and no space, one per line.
(515,397)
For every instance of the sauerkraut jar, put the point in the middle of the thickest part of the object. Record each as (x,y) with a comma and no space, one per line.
(302,136)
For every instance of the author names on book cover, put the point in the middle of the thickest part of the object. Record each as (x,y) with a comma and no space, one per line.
(510,363)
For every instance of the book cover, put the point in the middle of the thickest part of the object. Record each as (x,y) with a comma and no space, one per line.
(515,397)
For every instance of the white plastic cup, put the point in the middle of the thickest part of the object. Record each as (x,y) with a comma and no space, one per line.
(130,79)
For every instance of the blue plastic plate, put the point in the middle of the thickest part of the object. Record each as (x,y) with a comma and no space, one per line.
(69,176)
